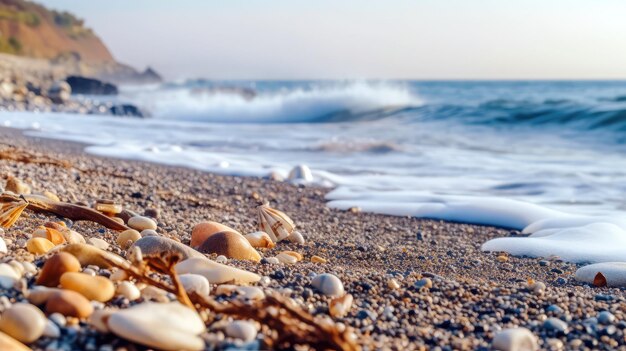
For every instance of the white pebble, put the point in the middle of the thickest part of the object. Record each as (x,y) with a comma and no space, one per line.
(243,330)
(128,290)
(515,339)
(328,284)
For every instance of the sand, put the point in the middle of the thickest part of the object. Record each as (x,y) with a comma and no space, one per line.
(474,294)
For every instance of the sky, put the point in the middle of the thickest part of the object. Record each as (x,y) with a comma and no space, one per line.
(360,39)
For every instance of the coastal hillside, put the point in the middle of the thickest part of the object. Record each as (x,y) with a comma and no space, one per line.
(31,30)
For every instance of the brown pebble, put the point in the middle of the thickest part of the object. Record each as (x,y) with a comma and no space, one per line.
(69,303)
(92,287)
(54,268)
(231,245)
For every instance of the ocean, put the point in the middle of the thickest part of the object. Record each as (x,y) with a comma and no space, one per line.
(508,153)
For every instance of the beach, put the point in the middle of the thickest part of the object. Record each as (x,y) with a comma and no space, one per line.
(446,293)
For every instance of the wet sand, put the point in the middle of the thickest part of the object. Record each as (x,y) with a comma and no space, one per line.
(473,295)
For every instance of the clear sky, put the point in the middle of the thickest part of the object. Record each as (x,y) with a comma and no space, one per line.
(422,39)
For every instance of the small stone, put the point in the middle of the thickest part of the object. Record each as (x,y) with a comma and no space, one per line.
(128,290)
(340,306)
(328,284)
(99,243)
(502,258)
(108,208)
(424,283)
(318,259)
(538,288)
(202,231)
(152,212)
(140,223)
(164,326)
(17,186)
(8,343)
(221,259)
(272,260)
(54,268)
(69,303)
(286,258)
(243,330)
(130,235)
(555,324)
(515,339)
(51,330)
(24,322)
(39,246)
(155,294)
(393,284)
(3,246)
(195,283)
(214,272)
(231,245)
(149,232)
(606,317)
(8,276)
(93,288)
(155,245)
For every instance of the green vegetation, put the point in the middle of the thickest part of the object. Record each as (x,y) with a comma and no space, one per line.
(73,26)
(26,17)
(10,46)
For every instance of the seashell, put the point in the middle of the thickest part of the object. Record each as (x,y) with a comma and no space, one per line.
(215,273)
(296,237)
(286,259)
(55,236)
(16,186)
(231,245)
(10,212)
(203,230)
(260,239)
(275,223)
(340,306)
(50,195)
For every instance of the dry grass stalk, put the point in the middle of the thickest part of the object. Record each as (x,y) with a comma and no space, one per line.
(12,154)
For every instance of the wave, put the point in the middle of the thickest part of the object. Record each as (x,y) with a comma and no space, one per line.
(316,103)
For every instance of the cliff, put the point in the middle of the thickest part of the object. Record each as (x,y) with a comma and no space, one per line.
(31,30)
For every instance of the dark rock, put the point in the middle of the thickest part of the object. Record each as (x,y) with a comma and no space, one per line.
(127,110)
(90,86)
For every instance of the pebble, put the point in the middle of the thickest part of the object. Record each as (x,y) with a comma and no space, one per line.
(340,306)
(538,288)
(328,284)
(8,276)
(214,272)
(8,343)
(155,245)
(393,284)
(130,235)
(51,330)
(3,246)
(141,223)
(231,245)
(69,303)
(24,322)
(99,243)
(128,290)
(555,324)
(165,326)
(243,330)
(149,232)
(272,260)
(39,246)
(424,283)
(93,288)
(243,292)
(260,239)
(614,274)
(318,259)
(221,259)
(606,317)
(54,268)
(286,258)
(203,230)
(515,339)
(195,283)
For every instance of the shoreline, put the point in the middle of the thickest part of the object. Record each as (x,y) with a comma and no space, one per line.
(473,293)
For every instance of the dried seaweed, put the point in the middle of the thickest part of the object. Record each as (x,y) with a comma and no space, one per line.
(291,324)
(71,211)
(13,154)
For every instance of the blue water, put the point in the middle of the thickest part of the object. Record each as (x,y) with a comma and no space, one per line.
(557,144)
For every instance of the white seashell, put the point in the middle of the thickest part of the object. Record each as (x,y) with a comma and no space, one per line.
(340,306)
(275,223)
(296,237)
(286,258)
(195,283)
(300,173)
